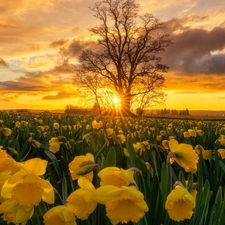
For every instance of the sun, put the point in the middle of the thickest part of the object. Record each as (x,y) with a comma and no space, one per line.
(116,100)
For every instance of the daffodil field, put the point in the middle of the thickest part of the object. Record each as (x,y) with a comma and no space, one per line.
(58,169)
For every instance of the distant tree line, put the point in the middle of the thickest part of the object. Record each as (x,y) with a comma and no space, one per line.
(166,112)
(75,109)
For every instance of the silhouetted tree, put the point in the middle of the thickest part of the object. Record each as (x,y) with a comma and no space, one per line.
(128,49)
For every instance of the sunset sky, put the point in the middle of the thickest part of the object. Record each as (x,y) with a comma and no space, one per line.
(40,41)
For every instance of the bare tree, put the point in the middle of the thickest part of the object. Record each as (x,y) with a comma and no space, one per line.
(128,48)
(149,100)
(92,83)
(96,89)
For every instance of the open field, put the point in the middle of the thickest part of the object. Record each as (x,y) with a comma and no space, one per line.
(86,169)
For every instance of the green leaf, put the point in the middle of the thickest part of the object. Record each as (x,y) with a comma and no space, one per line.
(64,190)
(110,159)
(131,151)
(54,162)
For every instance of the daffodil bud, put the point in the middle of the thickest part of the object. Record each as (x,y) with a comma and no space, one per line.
(36,144)
(86,167)
(12,150)
(6,131)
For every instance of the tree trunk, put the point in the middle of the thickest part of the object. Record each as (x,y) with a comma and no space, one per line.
(125,99)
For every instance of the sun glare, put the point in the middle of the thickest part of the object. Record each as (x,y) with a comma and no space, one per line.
(116,100)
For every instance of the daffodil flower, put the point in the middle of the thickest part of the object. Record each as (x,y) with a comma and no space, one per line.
(15,213)
(116,176)
(201,151)
(221,153)
(59,215)
(26,187)
(54,144)
(6,161)
(184,155)
(82,165)
(123,204)
(180,203)
(81,202)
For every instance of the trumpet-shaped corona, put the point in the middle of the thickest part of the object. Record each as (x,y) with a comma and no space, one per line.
(180,204)
(59,215)
(123,204)
(184,155)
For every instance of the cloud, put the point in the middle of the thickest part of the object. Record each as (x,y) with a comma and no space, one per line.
(21,6)
(188,92)
(75,47)
(62,95)
(9,97)
(19,86)
(193,51)
(56,79)
(58,43)
(216,64)
(3,63)
(64,68)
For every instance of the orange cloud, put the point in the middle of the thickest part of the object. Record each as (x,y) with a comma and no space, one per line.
(3,63)
(63,95)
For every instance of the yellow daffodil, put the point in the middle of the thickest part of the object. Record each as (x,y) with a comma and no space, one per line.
(46,127)
(88,127)
(81,202)
(14,213)
(4,176)
(184,155)
(221,152)
(186,134)
(121,138)
(159,137)
(56,125)
(96,125)
(222,140)
(54,145)
(6,131)
(82,165)
(123,204)
(141,146)
(109,131)
(6,161)
(162,132)
(192,133)
(59,215)
(17,124)
(24,123)
(205,153)
(172,137)
(180,204)
(116,176)
(200,132)
(145,145)
(165,144)
(137,147)
(40,121)
(26,187)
